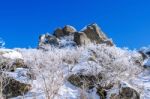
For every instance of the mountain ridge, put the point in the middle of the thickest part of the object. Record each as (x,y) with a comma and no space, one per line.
(74,65)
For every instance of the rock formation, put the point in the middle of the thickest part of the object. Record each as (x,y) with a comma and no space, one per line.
(66,31)
(124,92)
(59,33)
(81,38)
(90,34)
(14,88)
(86,81)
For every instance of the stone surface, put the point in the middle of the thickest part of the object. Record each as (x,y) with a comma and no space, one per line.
(94,33)
(91,34)
(86,81)
(124,91)
(59,33)
(81,38)
(68,30)
(14,88)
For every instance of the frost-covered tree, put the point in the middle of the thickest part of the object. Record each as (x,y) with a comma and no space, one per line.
(2,43)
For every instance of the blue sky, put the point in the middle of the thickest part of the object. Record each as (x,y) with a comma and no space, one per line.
(127,22)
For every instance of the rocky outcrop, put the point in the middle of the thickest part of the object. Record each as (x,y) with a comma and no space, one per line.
(94,33)
(13,88)
(86,81)
(59,32)
(81,38)
(12,69)
(123,91)
(66,31)
(91,34)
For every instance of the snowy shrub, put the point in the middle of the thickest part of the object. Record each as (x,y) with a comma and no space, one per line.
(53,66)
(116,63)
(2,43)
(49,67)
(113,63)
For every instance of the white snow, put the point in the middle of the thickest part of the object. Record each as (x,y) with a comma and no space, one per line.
(147,62)
(67,41)
(68,91)
(142,82)
(19,74)
(118,62)
(12,54)
(86,68)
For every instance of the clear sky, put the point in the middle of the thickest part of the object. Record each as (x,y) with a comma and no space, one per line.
(127,22)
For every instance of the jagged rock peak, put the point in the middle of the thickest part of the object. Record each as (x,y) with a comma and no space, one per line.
(92,33)
(95,28)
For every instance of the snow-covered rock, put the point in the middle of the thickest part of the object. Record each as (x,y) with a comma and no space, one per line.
(123,91)
(145,52)
(147,63)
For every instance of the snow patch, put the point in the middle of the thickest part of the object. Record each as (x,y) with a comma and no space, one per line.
(11,54)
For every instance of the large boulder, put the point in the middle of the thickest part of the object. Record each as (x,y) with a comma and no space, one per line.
(14,88)
(59,33)
(94,32)
(91,34)
(123,91)
(81,38)
(86,81)
(66,31)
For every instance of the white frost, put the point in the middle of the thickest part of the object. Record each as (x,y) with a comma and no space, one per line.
(12,54)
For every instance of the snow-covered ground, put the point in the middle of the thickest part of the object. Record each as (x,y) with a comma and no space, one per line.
(67,90)
(12,54)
